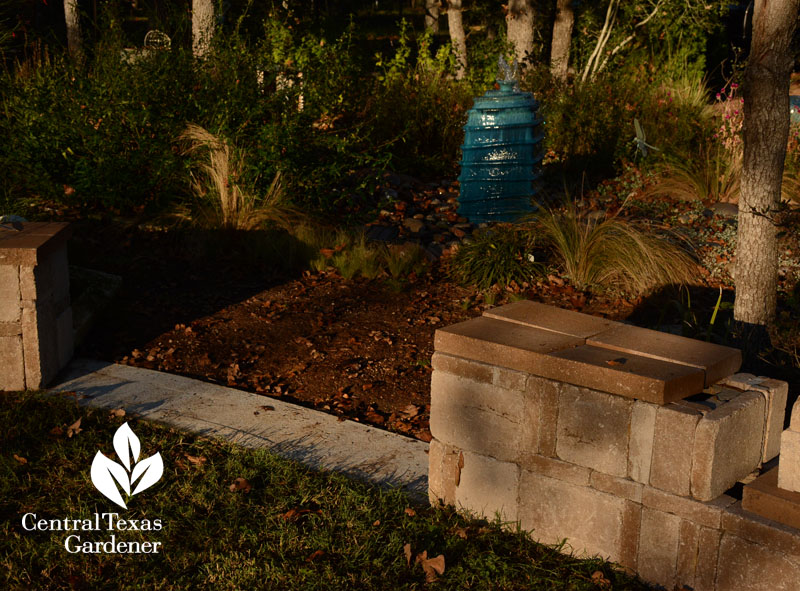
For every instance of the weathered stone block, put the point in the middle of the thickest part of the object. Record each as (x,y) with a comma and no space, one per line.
(658,547)
(620,487)
(593,429)
(727,445)
(688,550)
(550,318)
(12,367)
(508,379)
(628,375)
(715,361)
(488,487)
(471,370)
(750,566)
(544,395)
(9,294)
(593,522)
(673,444)
(764,497)
(476,416)
(777,393)
(754,528)
(643,423)
(444,472)
(553,468)
(708,514)
(789,466)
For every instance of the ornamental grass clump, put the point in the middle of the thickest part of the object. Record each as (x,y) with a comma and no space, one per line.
(223,198)
(613,253)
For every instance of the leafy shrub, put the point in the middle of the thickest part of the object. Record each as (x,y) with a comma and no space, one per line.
(499,255)
(613,252)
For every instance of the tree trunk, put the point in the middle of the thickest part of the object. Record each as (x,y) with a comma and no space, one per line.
(562,37)
(432,15)
(202,26)
(72,18)
(519,28)
(457,36)
(766,131)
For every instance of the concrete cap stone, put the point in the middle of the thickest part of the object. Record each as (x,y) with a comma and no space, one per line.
(33,242)
(763,497)
(715,360)
(632,376)
(502,343)
(538,315)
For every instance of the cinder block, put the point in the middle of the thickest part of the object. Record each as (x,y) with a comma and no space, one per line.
(643,422)
(754,528)
(545,394)
(789,466)
(476,416)
(688,551)
(9,294)
(776,393)
(752,567)
(673,443)
(471,370)
(658,547)
(620,487)
(708,514)
(727,445)
(553,468)
(593,429)
(594,523)
(12,366)
(444,472)
(488,487)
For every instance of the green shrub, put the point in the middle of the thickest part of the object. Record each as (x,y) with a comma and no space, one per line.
(499,255)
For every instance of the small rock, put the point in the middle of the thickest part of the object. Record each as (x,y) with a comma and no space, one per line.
(726,210)
(458,232)
(414,225)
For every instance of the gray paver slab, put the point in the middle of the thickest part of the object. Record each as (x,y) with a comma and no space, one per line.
(316,439)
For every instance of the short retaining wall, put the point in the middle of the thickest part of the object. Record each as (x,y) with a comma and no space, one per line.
(36,336)
(622,440)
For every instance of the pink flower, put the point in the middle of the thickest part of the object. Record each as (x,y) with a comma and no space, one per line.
(734,86)
(719,96)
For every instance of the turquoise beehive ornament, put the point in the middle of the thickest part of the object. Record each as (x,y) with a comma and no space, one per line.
(500,154)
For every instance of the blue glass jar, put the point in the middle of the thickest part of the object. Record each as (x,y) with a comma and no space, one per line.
(500,156)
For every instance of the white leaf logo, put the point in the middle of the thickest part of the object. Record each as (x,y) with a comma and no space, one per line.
(107,474)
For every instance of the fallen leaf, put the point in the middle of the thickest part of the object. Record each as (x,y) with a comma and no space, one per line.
(57,431)
(316,554)
(599,579)
(376,523)
(117,412)
(407,552)
(432,567)
(617,361)
(410,512)
(267,407)
(196,460)
(20,459)
(461,532)
(242,485)
(74,428)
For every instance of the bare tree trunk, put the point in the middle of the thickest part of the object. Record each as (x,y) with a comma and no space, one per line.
(766,130)
(432,15)
(72,18)
(562,38)
(202,26)
(519,28)
(457,37)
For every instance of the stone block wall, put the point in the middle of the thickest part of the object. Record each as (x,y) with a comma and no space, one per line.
(637,481)
(36,338)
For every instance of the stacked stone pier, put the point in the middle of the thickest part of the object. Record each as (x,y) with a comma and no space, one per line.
(625,441)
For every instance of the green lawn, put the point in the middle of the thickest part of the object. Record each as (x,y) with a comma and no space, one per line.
(282,527)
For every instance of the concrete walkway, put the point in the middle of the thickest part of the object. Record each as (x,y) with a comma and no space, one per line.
(314,438)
